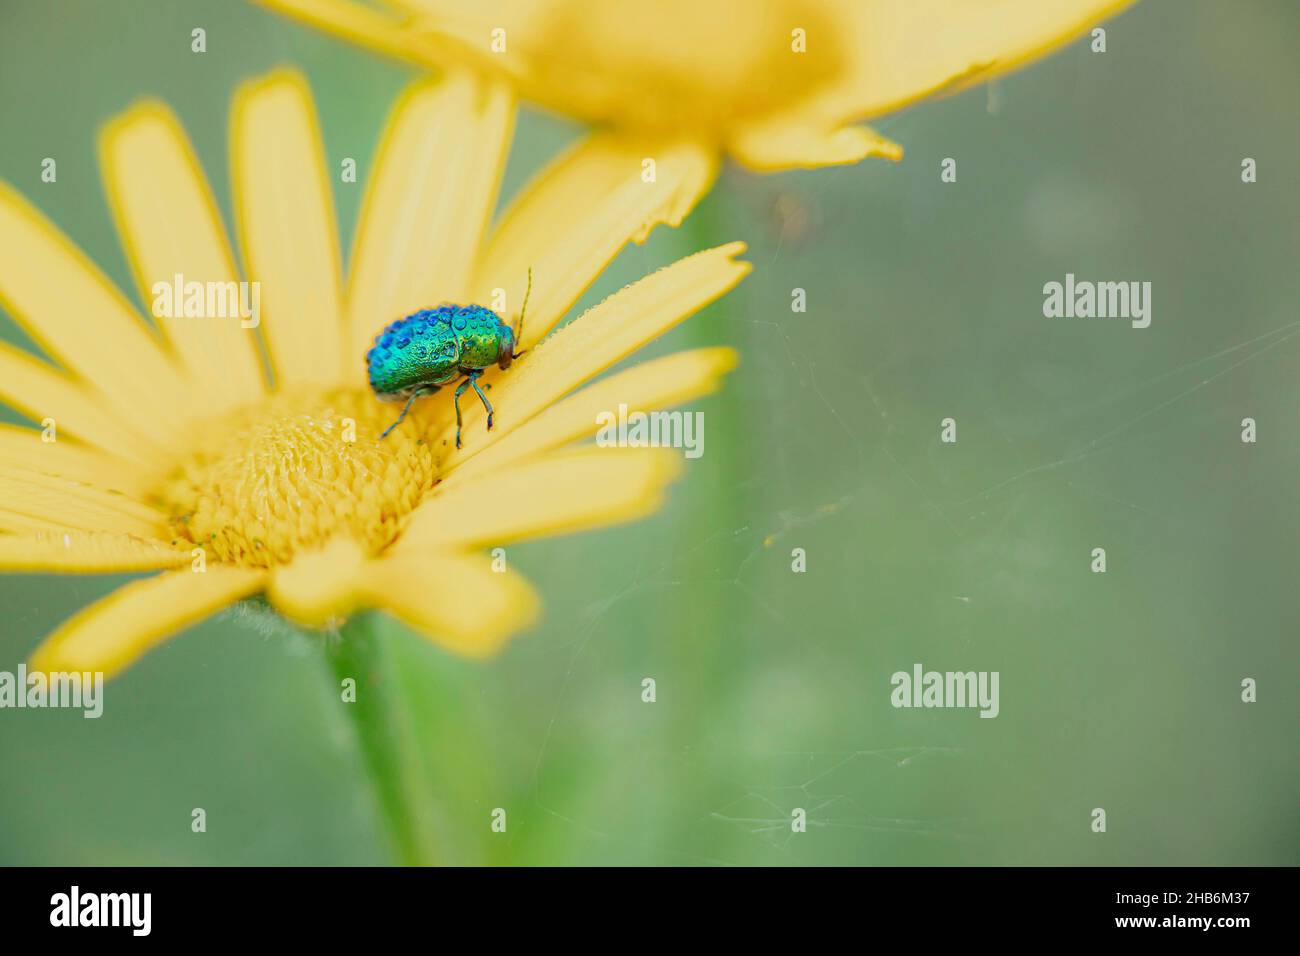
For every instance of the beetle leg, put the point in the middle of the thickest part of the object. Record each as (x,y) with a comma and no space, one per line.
(402,417)
(473,380)
(455,400)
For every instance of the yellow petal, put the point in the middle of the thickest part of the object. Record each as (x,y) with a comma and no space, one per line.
(435,182)
(68,306)
(42,393)
(83,552)
(456,601)
(287,230)
(648,386)
(560,493)
(62,503)
(318,585)
(780,143)
(903,50)
(23,448)
(364,26)
(597,339)
(462,38)
(19,522)
(114,632)
(571,221)
(170,227)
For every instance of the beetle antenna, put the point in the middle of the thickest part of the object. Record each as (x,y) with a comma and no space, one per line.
(519,329)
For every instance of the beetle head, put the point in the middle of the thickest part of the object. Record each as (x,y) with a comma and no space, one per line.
(506,347)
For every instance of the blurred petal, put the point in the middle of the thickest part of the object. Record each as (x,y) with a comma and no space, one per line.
(359,24)
(170,226)
(60,502)
(903,50)
(457,602)
(597,339)
(780,143)
(21,523)
(111,634)
(87,553)
(434,185)
(70,308)
(287,230)
(571,221)
(648,386)
(462,37)
(584,489)
(23,448)
(39,391)
(319,585)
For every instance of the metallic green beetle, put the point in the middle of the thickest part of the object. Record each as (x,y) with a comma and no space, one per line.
(419,354)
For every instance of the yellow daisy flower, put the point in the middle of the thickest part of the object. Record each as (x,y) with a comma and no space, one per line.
(776,84)
(242,461)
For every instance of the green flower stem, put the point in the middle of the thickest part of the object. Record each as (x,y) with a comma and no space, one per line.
(722,500)
(719,505)
(386,737)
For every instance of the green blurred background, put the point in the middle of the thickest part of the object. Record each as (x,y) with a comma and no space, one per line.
(1119,690)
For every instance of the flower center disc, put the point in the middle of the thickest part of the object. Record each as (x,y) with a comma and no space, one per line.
(281,477)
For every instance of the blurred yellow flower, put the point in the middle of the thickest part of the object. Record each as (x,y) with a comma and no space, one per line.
(776,84)
(179,450)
